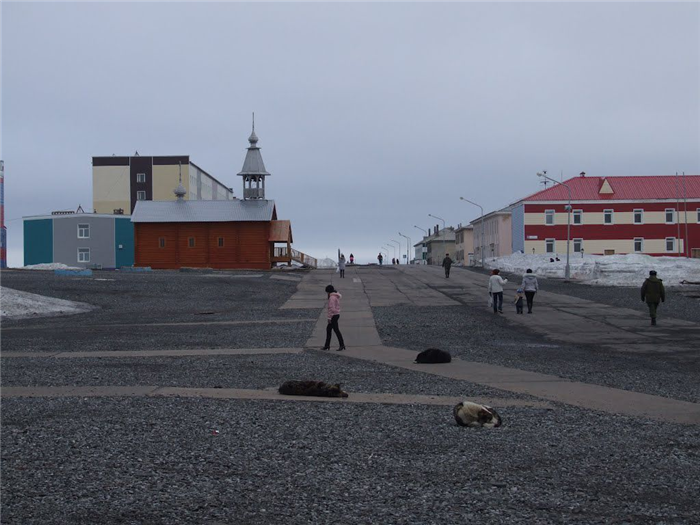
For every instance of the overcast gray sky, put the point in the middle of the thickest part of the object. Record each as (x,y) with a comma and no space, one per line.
(370,116)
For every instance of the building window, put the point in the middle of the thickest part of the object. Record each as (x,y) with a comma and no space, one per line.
(578,216)
(83,231)
(161,242)
(83,255)
(607,216)
(638,216)
(221,242)
(578,245)
(190,242)
(549,245)
(549,217)
(638,244)
(670,216)
(670,244)
(140,177)
(140,195)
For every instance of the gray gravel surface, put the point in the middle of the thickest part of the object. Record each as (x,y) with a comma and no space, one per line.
(250,371)
(475,334)
(160,297)
(156,461)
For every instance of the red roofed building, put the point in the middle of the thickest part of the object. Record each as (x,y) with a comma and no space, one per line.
(655,215)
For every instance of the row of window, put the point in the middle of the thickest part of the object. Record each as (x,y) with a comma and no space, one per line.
(190,242)
(608,216)
(550,245)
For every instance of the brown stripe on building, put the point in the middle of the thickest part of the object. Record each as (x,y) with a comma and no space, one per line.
(141,165)
(167,161)
(110,161)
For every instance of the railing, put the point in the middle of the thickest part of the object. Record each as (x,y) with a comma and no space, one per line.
(282,254)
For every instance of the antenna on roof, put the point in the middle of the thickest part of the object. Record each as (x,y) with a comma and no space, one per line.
(544,181)
(253,121)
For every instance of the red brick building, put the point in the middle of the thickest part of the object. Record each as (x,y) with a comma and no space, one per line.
(654,215)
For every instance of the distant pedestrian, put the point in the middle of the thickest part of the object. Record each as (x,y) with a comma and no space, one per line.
(393,261)
(341,266)
(380,258)
(519,301)
(447,264)
(530,287)
(653,292)
(496,283)
(352,259)
(333,316)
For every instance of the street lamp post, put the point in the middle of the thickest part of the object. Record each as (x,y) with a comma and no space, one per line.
(443,232)
(422,244)
(567,272)
(481,249)
(392,247)
(398,245)
(408,247)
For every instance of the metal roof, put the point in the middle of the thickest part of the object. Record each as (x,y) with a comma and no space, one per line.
(203,211)
(253,163)
(623,188)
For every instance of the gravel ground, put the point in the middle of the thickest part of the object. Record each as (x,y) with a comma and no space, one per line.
(681,302)
(250,371)
(156,461)
(474,334)
(153,298)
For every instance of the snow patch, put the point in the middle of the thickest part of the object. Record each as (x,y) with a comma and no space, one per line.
(51,266)
(19,305)
(602,270)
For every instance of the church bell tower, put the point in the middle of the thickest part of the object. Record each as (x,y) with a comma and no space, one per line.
(253,172)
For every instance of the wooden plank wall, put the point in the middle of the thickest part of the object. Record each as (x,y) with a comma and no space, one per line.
(245,245)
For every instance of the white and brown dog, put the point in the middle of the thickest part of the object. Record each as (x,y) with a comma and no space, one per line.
(468,414)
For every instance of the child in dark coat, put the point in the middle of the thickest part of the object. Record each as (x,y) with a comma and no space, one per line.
(519,301)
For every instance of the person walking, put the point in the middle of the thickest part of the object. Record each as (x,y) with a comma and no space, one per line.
(341,266)
(653,292)
(496,283)
(333,316)
(530,287)
(380,258)
(447,264)
(352,259)
(519,301)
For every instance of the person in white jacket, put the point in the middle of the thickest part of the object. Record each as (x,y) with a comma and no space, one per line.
(530,287)
(496,283)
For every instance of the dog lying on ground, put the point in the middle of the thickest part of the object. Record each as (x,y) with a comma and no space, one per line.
(311,388)
(468,414)
(433,355)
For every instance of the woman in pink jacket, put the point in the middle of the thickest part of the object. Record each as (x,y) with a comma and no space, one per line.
(333,316)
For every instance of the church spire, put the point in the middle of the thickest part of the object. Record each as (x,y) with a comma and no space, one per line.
(253,172)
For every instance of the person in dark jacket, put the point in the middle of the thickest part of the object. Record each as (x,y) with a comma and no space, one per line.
(447,264)
(652,293)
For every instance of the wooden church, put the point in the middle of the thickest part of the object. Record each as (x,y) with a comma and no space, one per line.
(224,234)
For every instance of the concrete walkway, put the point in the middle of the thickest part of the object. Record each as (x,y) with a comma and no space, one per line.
(366,287)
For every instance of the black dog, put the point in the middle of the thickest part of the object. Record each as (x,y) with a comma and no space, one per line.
(433,355)
(311,388)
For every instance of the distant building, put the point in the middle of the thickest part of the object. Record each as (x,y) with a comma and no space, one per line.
(3,230)
(118,183)
(215,233)
(496,240)
(440,242)
(464,244)
(86,240)
(654,215)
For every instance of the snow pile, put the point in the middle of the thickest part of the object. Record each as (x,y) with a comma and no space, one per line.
(326,263)
(51,266)
(602,270)
(18,305)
